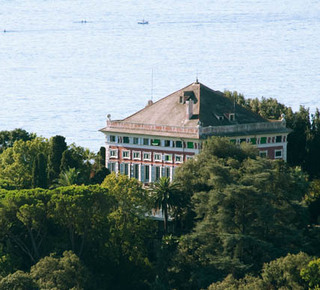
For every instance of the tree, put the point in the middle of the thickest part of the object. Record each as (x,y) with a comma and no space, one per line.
(39,172)
(19,280)
(82,211)
(249,211)
(16,162)
(62,273)
(68,177)
(313,201)
(24,223)
(312,158)
(57,146)
(297,139)
(166,198)
(282,273)
(131,233)
(7,138)
(79,158)
(311,274)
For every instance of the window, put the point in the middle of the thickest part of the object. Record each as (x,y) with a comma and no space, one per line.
(157,157)
(231,117)
(136,155)
(167,172)
(168,157)
(147,156)
(189,157)
(277,153)
(243,140)
(112,167)
(126,154)
(136,171)
(113,153)
(263,140)
(145,141)
(190,145)
(179,144)
(253,140)
(135,140)
(155,142)
(278,139)
(263,154)
(112,138)
(179,158)
(233,141)
(166,143)
(157,172)
(146,173)
(126,140)
(126,169)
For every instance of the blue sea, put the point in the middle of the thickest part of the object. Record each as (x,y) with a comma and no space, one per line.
(65,64)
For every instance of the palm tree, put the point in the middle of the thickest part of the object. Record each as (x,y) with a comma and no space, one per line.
(68,177)
(167,197)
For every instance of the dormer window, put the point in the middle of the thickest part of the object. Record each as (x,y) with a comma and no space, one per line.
(219,117)
(232,117)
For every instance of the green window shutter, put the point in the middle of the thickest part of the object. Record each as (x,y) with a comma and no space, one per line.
(233,141)
(190,145)
(253,140)
(155,142)
(263,140)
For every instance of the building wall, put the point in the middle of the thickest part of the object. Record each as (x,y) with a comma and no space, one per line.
(131,155)
(148,161)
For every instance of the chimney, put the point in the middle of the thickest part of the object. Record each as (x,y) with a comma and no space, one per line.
(189,112)
(150,102)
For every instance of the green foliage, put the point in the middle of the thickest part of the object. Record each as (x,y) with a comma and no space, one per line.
(268,108)
(39,172)
(7,138)
(18,281)
(6,184)
(62,273)
(82,210)
(297,139)
(16,162)
(313,201)
(68,177)
(24,223)
(57,146)
(130,232)
(282,273)
(79,158)
(311,274)
(167,197)
(99,176)
(249,211)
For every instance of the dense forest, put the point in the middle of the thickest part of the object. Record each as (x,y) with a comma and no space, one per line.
(232,220)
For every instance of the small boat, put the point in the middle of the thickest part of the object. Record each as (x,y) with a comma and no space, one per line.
(143,22)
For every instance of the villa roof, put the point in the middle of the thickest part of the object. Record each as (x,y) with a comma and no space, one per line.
(208,106)
(209,109)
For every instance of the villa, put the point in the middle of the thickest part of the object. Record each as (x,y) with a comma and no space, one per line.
(154,141)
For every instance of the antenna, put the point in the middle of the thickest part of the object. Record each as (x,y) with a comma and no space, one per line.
(152,84)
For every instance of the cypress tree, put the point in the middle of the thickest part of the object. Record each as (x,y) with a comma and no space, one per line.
(57,146)
(39,172)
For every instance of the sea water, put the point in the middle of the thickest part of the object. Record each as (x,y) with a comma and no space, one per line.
(66,64)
